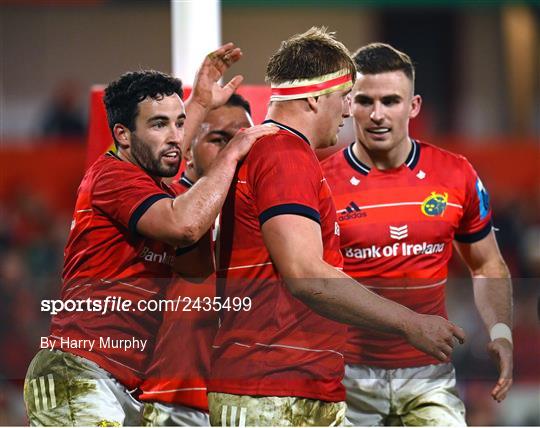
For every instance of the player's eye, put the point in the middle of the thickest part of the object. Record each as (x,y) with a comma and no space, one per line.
(159,124)
(391,101)
(180,124)
(363,101)
(219,140)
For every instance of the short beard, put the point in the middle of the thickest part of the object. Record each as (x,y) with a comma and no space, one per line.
(148,161)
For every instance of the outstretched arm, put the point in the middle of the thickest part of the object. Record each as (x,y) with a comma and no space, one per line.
(296,248)
(184,220)
(493,299)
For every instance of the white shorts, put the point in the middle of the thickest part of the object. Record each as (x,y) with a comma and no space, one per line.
(412,396)
(230,410)
(62,389)
(171,415)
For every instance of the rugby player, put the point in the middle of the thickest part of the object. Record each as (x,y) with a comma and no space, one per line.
(126,228)
(401,205)
(174,390)
(279,360)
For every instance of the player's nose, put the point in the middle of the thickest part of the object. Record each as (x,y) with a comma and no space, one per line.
(175,135)
(377,113)
(346,108)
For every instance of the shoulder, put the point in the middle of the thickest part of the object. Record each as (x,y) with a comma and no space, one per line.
(445,160)
(443,156)
(282,146)
(111,173)
(333,160)
(109,163)
(282,140)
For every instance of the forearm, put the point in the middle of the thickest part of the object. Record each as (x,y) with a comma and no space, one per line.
(195,115)
(203,202)
(493,294)
(335,295)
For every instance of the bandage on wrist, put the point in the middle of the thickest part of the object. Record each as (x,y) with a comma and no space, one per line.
(501,331)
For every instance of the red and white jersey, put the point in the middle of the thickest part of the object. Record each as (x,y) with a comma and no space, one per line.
(106,260)
(180,365)
(279,347)
(397,228)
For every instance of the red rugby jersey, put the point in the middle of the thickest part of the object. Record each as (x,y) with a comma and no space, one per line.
(279,347)
(104,258)
(180,364)
(397,228)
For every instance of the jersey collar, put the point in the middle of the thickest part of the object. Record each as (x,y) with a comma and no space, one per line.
(362,168)
(113,154)
(287,128)
(184,181)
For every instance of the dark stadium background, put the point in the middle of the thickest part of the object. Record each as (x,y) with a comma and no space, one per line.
(478,70)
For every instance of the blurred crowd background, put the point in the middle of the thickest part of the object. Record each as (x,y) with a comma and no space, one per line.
(478,70)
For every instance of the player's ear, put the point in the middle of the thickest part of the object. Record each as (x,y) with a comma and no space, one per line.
(416,104)
(122,135)
(313,104)
(188,156)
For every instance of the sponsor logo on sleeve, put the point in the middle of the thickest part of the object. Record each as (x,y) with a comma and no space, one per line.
(483,199)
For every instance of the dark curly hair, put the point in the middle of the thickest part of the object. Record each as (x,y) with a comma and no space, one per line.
(122,97)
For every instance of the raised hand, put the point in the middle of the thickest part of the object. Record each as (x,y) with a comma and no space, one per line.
(207,91)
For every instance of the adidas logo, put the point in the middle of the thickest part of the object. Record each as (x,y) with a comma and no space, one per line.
(350,212)
(399,232)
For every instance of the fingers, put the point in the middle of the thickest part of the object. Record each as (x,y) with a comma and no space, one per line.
(501,389)
(233,85)
(224,57)
(458,333)
(444,351)
(245,138)
(255,132)
(446,347)
(501,350)
(441,356)
(261,130)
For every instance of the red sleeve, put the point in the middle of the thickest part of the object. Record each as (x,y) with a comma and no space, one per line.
(125,193)
(476,221)
(285,178)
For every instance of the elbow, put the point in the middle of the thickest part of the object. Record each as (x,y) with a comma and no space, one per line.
(301,289)
(187,234)
(188,237)
(496,269)
(304,276)
(295,287)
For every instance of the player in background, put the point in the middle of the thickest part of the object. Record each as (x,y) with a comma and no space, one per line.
(119,255)
(401,204)
(279,361)
(174,390)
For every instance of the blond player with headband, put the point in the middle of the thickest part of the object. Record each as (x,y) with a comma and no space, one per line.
(281,362)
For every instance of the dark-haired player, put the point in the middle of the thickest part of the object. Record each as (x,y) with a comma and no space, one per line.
(401,205)
(126,228)
(280,362)
(174,390)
